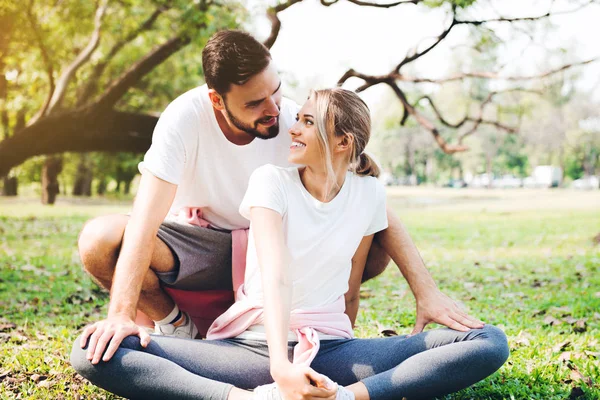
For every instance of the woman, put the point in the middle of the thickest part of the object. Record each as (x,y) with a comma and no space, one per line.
(310,230)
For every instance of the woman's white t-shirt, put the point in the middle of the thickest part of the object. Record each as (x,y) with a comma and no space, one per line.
(321,237)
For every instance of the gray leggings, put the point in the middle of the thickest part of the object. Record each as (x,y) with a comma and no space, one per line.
(429,364)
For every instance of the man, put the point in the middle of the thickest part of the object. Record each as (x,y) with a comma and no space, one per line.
(204,148)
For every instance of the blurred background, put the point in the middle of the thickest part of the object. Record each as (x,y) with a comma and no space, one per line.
(486,122)
(485,94)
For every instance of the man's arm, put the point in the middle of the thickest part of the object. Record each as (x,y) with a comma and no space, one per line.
(359,261)
(152,202)
(432,305)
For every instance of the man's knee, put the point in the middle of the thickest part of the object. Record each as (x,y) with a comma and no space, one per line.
(99,241)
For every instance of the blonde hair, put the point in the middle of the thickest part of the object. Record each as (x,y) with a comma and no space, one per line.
(342,112)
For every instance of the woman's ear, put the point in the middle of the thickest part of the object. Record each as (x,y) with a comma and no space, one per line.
(344,142)
(216,99)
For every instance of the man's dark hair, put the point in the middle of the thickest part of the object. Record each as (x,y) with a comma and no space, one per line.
(232,57)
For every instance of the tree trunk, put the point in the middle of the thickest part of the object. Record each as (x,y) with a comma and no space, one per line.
(128,186)
(429,169)
(101,187)
(50,188)
(10,186)
(488,169)
(84,177)
(409,156)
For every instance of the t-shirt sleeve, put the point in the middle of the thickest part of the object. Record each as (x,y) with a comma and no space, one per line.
(167,155)
(379,221)
(265,189)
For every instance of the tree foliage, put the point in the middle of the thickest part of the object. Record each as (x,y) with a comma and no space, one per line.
(92,77)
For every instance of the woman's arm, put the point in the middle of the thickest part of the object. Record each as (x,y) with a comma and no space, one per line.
(358,266)
(273,258)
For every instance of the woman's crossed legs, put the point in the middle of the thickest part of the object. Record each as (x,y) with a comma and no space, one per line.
(429,364)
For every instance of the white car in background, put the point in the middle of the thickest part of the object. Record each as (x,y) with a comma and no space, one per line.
(586,183)
(544,176)
(481,181)
(507,182)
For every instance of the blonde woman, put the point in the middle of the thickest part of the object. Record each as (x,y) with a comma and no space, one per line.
(289,335)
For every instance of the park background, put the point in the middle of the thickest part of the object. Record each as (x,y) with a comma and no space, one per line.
(486,124)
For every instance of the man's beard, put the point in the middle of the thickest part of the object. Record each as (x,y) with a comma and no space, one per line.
(272,131)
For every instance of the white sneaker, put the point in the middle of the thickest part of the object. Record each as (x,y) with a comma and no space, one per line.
(267,392)
(271,392)
(185,331)
(344,394)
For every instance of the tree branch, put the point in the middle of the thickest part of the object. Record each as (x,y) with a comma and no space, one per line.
(534,18)
(67,75)
(478,120)
(137,71)
(494,75)
(4,121)
(275,21)
(45,56)
(425,123)
(91,87)
(439,115)
(502,19)
(80,130)
(7,23)
(370,80)
(413,54)
(369,4)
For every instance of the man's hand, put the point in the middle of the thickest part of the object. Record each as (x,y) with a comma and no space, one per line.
(435,306)
(298,382)
(111,330)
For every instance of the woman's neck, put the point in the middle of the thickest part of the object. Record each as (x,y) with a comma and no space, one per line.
(315,180)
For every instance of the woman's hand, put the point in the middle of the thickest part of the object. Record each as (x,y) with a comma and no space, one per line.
(298,382)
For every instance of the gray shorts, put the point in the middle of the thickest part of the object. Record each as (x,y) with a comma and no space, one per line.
(202,257)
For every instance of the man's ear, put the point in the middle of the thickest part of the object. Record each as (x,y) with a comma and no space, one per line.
(216,99)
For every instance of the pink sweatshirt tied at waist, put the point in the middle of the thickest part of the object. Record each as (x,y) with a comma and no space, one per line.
(245,312)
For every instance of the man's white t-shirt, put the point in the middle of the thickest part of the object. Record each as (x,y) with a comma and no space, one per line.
(321,237)
(190,150)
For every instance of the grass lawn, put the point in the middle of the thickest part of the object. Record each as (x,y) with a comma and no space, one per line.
(522,260)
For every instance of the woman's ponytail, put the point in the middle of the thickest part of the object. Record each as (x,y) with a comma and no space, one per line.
(366,166)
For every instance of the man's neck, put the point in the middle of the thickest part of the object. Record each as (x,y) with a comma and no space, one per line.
(231,133)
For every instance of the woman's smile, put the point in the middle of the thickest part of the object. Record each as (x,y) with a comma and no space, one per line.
(297,145)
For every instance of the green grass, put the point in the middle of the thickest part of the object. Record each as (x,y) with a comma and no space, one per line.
(508,261)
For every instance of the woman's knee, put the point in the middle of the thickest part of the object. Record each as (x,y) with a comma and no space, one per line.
(84,366)
(498,344)
(79,360)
